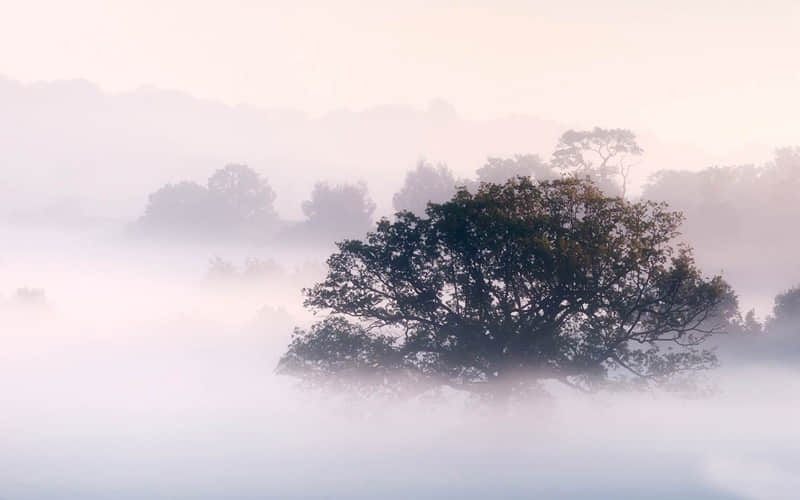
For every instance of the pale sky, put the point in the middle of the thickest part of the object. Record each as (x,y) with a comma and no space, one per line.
(721,73)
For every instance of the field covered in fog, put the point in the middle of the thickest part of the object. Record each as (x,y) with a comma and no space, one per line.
(138,373)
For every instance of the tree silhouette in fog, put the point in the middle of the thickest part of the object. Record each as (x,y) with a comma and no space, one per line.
(184,206)
(424,184)
(428,183)
(242,196)
(343,210)
(775,341)
(236,202)
(785,318)
(603,155)
(740,217)
(500,170)
(781,341)
(517,282)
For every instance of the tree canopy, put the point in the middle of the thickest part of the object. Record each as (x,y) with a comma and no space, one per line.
(184,205)
(739,218)
(603,155)
(500,170)
(518,282)
(435,184)
(241,194)
(237,201)
(426,183)
(785,318)
(342,210)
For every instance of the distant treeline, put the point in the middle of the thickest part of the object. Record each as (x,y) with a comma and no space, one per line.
(741,220)
(237,203)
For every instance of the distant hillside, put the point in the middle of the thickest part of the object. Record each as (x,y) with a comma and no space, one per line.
(70,142)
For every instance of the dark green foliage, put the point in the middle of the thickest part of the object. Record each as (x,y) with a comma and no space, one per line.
(345,352)
(517,282)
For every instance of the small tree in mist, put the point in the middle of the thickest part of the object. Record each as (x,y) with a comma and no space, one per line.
(501,170)
(603,155)
(339,210)
(237,201)
(519,282)
(241,196)
(425,184)
(785,318)
(775,341)
(178,206)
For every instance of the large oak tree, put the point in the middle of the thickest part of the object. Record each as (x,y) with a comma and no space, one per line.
(518,282)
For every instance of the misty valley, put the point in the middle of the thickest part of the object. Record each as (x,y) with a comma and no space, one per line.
(146,356)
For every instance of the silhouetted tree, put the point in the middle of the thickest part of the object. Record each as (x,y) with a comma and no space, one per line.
(500,170)
(184,207)
(343,210)
(237,201)
(424,184)
(738,217)
(780,185)
(718,194)
(776,341)
(338,353)
(785,318)
(243,195)
(604,155)
(750,325)
(518,282)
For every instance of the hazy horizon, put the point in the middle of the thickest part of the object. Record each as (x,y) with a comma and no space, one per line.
(73,128)
(646,67)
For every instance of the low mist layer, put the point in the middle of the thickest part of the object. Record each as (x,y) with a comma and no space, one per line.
(134,371)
